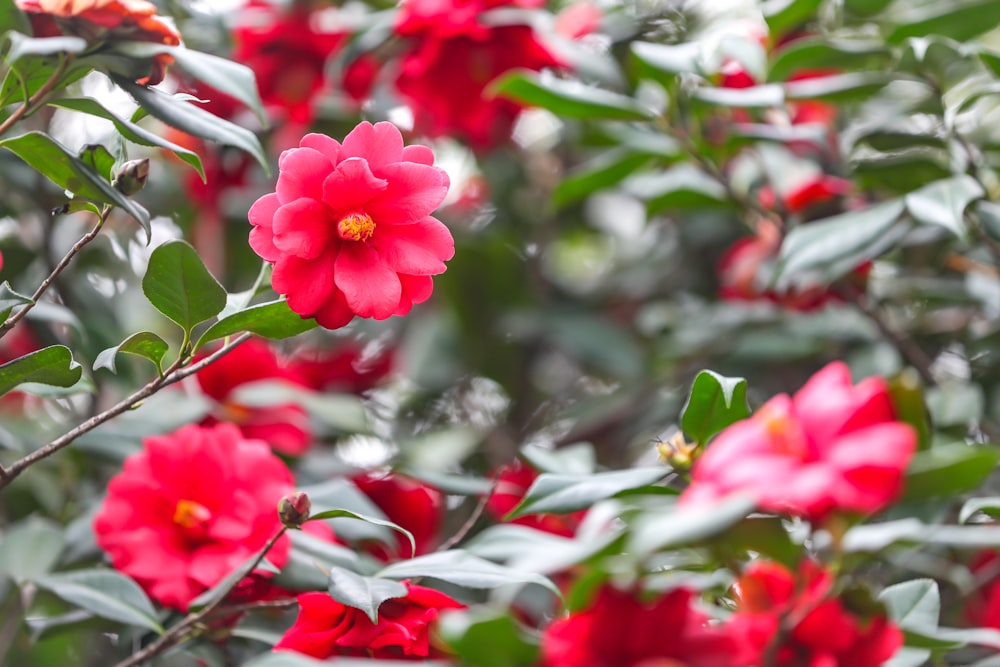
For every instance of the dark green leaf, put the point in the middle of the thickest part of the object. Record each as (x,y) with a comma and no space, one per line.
(105,593)
(943,203)
(30,549)
(762,535)
(52,365)
(179,286)
(144,344)
(193,120)
(957,19)
(129,130)
(866,7)
(913,605)
(469,632)
(877,536)
(714,403)
(681,187)
(66,170)
(907,394)
(948,470)
(570,99)
(9,299)
(686,525)
(568,493)
(12,18)
(888,140)
(21,45)
(234,79)
(902,171)
(341,513)
(662,62)
(364,593)
(821,54)
(606,170)
(273,319)
(763,96)
(782,16)
(98,159)
(838,88)
(463,569)
(988,506)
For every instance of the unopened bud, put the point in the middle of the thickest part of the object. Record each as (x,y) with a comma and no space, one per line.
(677,452)
(131,176)
(293,509)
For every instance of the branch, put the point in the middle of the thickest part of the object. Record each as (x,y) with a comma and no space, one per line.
(229,610)
(174,373)
(39,95)
(179,633)
(474,517)
(56,270)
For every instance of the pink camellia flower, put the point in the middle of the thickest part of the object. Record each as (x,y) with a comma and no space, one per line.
(349,228)
(191,508)
(834,446)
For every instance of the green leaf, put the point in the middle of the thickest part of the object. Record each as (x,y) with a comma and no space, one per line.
(832,247)
(179,286)
(341,513)
(783,16)
(875,537)
(21,45)
(99,159)
(907,394)
(839,88)
(232,78)
(570,99)
(273,319)
(681,187)
(463,569)
(764,535)
(714,403)
(12,18)
(144,344)
(663,62)
(913,605)
(364,593)
(988,506)
(193,120)
(568,493)
(52,365)
(866,7)
(755,97)
(30,549)
(55,162)
(957,19)
(9,299)
(604,171)
(104,593)
(943,203)
(129,130)
(948,470)
(686,525)
(820,54)
(468,632)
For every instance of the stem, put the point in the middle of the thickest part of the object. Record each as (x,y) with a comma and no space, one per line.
(174,373)
(51,278)
(283,603)
(179,633)
(474,517)
(913,353)
(39,95)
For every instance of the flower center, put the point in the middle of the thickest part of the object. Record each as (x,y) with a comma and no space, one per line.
(191,515)
(785,435)
(356,227)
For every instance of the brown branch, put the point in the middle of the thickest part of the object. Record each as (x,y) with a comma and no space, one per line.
(39,95)
(913,353)
(477,512)
(283,603)
(189,624)
(174,373)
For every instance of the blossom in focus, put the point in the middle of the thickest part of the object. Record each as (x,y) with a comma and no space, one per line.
(449,43)
(326,628)
(619,630)
(190,508)
(514,482)
(825,631)
(349,228)
(833,447)
(106,21)
(415,506)
(284,426)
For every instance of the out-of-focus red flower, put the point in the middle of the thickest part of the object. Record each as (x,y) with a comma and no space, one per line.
(619,630)
(812,111)
(284,426)
(448,43)
(287,50)
(806,195)
(825,633)
(983,606)
(349,229)
(359,76)
(106,21)
(515,480)
(579,20)
(326,628)
(834,446)
(191,508)
(345,367)
(414,506)
(18,342)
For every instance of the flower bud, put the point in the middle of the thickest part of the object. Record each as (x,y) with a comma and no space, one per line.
(131,176)
(293,509)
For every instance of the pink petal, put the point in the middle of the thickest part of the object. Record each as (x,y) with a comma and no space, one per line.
(261,237)
(307,282)
(418,249)
(351,186)
(328,146)
(414,191)
(336,313)
(419,154)
(416,289)
(301,174)
(303,228)
(371,288)
(380,144)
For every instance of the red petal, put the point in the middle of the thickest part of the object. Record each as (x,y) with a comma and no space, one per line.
(371,288)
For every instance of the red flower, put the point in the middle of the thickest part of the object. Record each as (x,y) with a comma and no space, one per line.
(825,632)
(190,508)
(579,20)
(515,480)
(346,367)
(983,609)
(832,447)
(806,195)
(449,44)
(414,506)
(620,631)
(349,229)
(326,628)
(285,426)
(287,51)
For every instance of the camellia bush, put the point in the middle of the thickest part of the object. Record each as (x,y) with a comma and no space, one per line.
(500,333)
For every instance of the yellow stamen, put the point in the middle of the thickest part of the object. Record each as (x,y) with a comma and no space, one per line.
(190,514)
(356,227)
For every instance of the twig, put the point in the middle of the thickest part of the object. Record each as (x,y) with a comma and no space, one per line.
(283,603)
(51,278)
(913,353)
(174,373)
(178,634)
(39,95)
(474,517)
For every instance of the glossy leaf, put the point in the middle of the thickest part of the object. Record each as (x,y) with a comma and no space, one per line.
(273,319)
(364,593)
(348,514)
(913,604)
(30,548)
(144,344)
(943,203)
(762,97)
(878,536)
(105,593)
(715,402)
(663,62)
(686,525)
(947,470)
(469,633)
(179,286)
(988,506)
(9,299)
(568,493)
(99,159)
(606,170)
(12,18)
(907,395)
(681,187)
(823,54)
(232,78)
(957,19)
(784,15)
(52,365)
(463,569)
(22,45)
(838,88)
(569,99)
